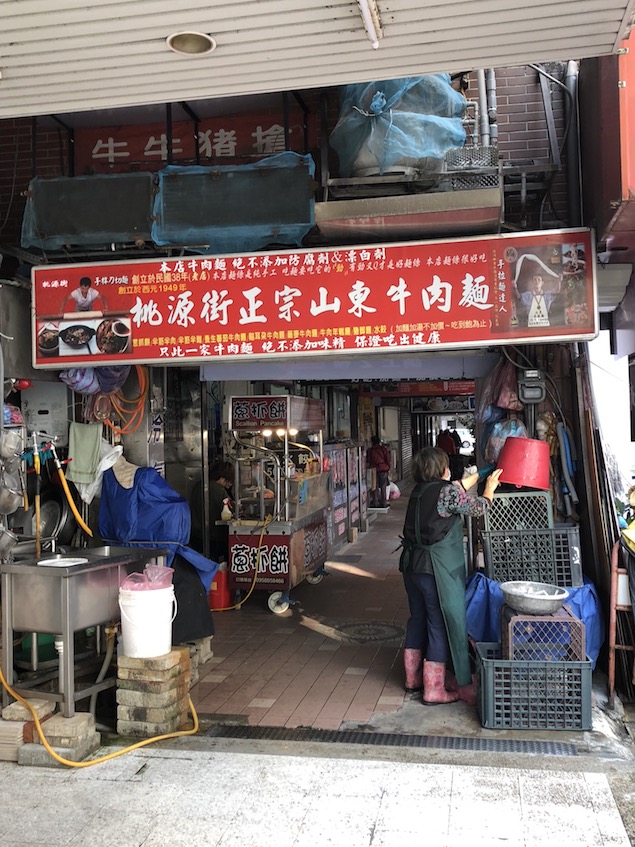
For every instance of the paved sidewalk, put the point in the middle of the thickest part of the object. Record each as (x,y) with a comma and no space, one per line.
(184,797)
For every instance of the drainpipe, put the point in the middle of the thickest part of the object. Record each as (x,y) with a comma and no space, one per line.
(572,147)
(482,108)
(492,113)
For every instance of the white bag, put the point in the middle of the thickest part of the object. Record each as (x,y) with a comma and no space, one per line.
(392,491)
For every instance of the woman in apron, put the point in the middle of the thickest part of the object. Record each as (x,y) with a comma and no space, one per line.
(433,567)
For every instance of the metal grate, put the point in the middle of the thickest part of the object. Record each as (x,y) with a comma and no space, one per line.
(385,739)
(520,511)
(559,637)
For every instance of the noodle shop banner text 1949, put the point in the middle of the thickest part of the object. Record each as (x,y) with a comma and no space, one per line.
(451,294)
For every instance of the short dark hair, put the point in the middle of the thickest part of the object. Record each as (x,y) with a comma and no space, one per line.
(430,463)
(86,281)
(374,439)
(221,468)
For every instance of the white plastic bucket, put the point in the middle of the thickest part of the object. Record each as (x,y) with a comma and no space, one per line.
(146,621)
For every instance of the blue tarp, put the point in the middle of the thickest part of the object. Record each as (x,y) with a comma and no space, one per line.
(236,208)
(484,601)
(150,514)
(410,122)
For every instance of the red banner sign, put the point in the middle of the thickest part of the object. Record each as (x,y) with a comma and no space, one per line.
(452,294)
(428,388)
(222,140)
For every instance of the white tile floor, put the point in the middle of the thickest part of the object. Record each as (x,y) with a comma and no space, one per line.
(158,797)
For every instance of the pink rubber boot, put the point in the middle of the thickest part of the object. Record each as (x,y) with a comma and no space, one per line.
(413,664)
(434,684)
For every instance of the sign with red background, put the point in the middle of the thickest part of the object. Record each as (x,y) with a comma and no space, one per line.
(433,295)
(226,140)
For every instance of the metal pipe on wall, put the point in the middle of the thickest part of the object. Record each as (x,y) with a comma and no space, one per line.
(492,113)
(482,108)
(574,203)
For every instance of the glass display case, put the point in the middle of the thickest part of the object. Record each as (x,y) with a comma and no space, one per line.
(277,534)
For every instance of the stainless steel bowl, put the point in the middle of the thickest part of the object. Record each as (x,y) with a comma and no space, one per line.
(534,598)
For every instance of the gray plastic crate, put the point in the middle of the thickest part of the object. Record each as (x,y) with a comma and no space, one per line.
(520,510)
(538,555)
(559,637)
(531,695)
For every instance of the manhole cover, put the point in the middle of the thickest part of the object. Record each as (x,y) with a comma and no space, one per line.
(367,631)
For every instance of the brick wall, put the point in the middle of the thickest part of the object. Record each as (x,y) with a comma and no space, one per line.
(18,166)
(523,136)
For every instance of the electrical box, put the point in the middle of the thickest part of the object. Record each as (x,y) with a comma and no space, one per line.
(531,387)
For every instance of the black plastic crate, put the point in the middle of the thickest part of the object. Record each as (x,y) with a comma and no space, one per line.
(553,555)
(559,637)
(519,510)
(531,695)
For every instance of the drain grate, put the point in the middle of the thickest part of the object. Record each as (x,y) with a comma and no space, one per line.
(384,739)
(367,632)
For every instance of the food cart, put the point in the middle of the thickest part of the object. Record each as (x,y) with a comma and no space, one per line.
(277,535)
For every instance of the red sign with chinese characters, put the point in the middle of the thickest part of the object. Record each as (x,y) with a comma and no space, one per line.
(221,140)
(427,388)
(452,294)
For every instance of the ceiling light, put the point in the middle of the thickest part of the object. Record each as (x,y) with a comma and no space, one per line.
(372,24)
(190,43)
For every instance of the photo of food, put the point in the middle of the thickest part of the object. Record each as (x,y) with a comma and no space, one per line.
(48,339)
(113,336)
(77,336)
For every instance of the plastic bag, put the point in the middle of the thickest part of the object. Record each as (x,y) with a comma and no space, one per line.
(499,393)
(392,491)
(497,435)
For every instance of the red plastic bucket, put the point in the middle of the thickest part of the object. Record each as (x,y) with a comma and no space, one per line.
(525,462)
(219,595)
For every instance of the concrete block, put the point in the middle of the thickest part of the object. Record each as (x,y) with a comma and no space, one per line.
(143,714)
(159,663)
(353,535)
(67,732)
(17,712)
(37,756)
(139,729)
(130,697)
(154,686)
(150,675)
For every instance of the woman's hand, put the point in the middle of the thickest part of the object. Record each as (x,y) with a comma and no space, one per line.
(491,484)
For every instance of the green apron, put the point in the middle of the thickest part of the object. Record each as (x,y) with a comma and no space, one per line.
(448,564)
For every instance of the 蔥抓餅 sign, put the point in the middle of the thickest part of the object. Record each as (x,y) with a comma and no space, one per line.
(425,296)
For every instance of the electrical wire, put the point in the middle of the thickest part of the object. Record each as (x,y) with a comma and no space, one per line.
(116,753)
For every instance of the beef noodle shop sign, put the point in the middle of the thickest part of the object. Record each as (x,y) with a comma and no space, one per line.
(365,300)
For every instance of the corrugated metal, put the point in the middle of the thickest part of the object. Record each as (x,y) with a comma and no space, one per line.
(60,56)
(405,442)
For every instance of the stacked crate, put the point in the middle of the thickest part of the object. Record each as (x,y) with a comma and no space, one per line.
(538,676)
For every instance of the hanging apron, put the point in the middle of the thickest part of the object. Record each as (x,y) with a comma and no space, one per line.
(448,564)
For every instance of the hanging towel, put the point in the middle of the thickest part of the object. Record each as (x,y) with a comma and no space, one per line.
(84,448)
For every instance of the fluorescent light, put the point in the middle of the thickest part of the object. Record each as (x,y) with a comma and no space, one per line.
(372,24)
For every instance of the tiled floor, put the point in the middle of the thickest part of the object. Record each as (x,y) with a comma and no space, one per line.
(333,656)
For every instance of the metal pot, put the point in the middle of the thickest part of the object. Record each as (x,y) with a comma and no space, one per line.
(10,497)
(7,542)
(10,443)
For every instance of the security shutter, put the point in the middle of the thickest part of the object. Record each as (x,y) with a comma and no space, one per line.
(405,442)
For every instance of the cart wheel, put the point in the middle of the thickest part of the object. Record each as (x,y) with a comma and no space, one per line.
(275,606)
(314,578)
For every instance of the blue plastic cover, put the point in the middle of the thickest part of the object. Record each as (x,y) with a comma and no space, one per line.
(484,601)
(150,514)
(87,210)
(398,122)
(236,208)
